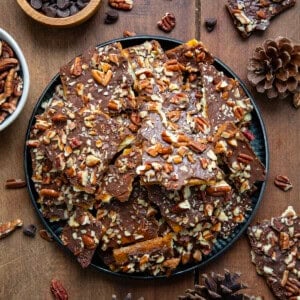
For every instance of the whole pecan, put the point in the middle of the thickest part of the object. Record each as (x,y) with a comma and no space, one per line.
(121,4)
(58,290)
(167,23)
(283,182)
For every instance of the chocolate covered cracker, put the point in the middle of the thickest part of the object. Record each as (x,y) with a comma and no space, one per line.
(224,97)
(275,252)
(244,166)
(251,15)
(128,222)
(81,235)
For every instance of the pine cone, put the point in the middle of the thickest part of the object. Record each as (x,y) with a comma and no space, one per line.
(216,286)
(274,68)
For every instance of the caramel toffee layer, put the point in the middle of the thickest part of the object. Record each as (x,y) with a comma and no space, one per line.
(141,157)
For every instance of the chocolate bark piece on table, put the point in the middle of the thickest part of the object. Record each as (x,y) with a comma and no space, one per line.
(251,15)
(81,235)
(101,77)
(127,222)
(154,256)
(275,252)
(118,180)
(224,97)
(190,55)
(245,168)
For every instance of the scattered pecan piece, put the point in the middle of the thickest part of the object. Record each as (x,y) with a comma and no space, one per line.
(44,234)
(167,23)
(283,182)
(9,227)
(127,33)
(121,4)
(15,183)
(58,290)
(296,100)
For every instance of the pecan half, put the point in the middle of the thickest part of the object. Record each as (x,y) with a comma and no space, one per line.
(58,290)
(9,227)
(121,4)
(283,183)
(167,22)
(15,183)
(45,235)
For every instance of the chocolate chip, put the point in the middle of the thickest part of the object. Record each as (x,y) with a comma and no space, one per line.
(36,4)
(210,24)
(111,17)
(30,230)
(49,11)
(73,9)
(63,13)
(63,4)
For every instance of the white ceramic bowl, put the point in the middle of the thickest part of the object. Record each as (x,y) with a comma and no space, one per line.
(24,72)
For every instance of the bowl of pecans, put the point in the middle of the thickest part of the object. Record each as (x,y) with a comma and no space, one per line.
(14,80)
(60,13)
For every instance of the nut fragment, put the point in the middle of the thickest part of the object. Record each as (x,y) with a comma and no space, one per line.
(9,227)
(296,100)
(44,234)
(127,33)
(15,183)
(283,182)
(121,4)
(167,23)
(58,290)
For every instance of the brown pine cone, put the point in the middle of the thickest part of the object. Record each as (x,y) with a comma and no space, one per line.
(274,68)
(216,286)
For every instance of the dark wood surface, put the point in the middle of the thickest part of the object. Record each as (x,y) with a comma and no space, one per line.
(28,265)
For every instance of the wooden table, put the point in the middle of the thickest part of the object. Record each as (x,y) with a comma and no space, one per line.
(28,265)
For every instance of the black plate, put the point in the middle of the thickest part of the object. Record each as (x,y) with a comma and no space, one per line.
(260,146)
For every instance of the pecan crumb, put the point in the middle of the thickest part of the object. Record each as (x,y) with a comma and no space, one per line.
(58,290)
(127,33)
(296,100)
(9,227)
(167,23)
(44,234)
(15,183)
(283,182)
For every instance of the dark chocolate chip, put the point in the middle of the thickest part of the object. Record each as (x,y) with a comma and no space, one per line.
(63,13)
(36,4)
(111,17)
(82,4)
(73,9)
(30,230)
(63,4)
(210,24)
(49,11)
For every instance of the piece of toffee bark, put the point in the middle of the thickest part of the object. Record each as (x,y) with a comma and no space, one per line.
(100,77)
(251,15)
(224,97)
(82,150)
(173,159)
(81,235)
(245,168)
(275,247)
(155,255)
(190,54)
(127,222)
(118,180)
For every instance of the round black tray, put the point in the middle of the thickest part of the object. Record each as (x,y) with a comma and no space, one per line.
(259,144)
